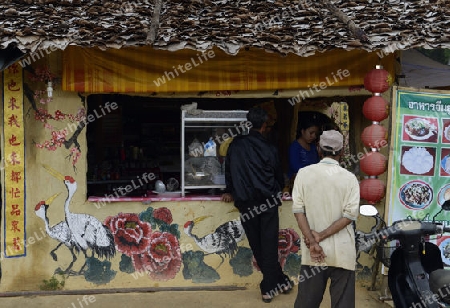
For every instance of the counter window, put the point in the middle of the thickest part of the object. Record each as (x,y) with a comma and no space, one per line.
(138,143)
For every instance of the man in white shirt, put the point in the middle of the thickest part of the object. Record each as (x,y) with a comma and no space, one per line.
(325,203)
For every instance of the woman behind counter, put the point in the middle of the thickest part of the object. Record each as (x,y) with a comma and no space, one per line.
(303,151)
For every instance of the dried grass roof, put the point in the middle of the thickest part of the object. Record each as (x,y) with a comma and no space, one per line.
(301,27)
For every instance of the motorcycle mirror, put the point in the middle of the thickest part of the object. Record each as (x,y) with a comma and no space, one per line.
(446,205)
(368,210)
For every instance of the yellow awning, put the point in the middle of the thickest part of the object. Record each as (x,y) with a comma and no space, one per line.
(144,70)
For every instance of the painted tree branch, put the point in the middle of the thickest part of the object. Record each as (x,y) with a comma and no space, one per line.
(44,116)
(354,29)
(74,139)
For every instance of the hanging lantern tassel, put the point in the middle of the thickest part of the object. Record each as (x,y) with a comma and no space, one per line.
(372,190)
(373,163)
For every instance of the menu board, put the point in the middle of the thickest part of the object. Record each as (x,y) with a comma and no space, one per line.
(420,159)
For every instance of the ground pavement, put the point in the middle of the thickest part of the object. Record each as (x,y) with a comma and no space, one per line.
(178,299)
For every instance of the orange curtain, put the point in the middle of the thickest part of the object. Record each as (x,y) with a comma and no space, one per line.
(144,70)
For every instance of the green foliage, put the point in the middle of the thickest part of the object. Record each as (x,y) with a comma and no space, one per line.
(242,262)
(439,55)
(196,269)
(292,265)
(53,284)
(173,228)
(447,55)
(126,264)
(147,216)
(98,272)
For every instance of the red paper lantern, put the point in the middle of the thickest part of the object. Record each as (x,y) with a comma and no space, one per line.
(376,108)
(372,190)
(377,80)
(373,163)
(374,136)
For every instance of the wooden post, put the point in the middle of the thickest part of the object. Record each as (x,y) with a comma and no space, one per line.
(355,31)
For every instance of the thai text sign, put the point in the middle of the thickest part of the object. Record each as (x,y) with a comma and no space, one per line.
(14,163)
(420,155)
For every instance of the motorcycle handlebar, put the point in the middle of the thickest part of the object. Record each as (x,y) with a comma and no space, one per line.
(406,227)
(401,229)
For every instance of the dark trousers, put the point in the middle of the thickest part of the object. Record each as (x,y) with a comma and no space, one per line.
(262,234)
(313,282)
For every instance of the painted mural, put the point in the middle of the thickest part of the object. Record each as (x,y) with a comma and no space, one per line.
(148,241)
(148,244)
(46,81)
(80,233)
(59,232)
(223,241)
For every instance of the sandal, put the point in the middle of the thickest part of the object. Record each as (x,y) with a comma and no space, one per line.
(266,298)
(288,288)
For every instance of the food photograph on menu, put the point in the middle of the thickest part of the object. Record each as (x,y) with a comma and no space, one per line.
(443,243)
(443,194)
(446,130)
(422,129)
(445,162)
(416,195)
(418,160)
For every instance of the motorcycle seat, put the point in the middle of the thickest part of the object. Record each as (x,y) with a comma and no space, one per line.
(440,284)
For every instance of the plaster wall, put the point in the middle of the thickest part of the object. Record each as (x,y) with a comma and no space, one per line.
(28,272)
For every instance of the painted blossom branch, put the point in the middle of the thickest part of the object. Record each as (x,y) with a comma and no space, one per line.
(58,136)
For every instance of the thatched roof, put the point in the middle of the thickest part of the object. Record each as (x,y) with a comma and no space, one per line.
(302,27)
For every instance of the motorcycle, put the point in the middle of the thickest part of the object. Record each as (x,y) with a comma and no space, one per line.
(416,276)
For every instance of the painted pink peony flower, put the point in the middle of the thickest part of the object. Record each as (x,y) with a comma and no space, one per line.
(131,235)
(162,260)
(163,214)
(288,242)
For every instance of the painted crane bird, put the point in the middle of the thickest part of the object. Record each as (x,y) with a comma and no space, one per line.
(59,232)
(87,231)
(223,241)
(233,228)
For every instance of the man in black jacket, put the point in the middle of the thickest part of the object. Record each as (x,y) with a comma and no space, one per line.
(254,180)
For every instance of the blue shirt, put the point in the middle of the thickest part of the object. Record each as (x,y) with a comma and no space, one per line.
(299,157)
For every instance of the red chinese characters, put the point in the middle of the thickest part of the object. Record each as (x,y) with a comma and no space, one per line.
(13,86)
(13,69)
(13,120)
(13,141)
(14,218)
(15,210)
(16,176)
(12,104)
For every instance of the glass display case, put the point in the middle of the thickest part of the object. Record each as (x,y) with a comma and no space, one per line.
(205,137)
